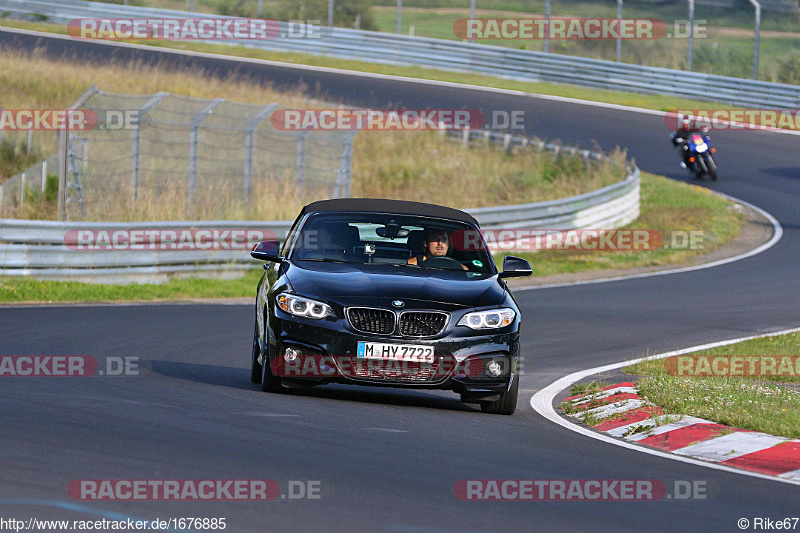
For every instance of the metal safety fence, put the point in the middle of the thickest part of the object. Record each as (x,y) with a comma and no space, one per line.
(52,250)
(164,156)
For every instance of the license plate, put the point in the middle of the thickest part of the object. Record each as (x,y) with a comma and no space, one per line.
(395,352)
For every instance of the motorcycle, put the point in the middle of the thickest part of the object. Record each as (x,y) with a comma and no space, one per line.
(700,160)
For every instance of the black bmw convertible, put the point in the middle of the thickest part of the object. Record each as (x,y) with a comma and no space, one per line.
(387,293)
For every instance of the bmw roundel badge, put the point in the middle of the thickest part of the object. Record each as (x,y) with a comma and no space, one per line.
(398,303)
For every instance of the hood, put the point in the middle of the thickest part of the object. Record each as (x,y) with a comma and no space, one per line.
(380,285)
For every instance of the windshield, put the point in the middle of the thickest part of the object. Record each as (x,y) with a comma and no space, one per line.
(385,239)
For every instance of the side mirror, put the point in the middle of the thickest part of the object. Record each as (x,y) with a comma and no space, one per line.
(515,267)
(267,251)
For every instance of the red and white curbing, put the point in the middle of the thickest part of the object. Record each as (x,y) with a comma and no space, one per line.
(626,415)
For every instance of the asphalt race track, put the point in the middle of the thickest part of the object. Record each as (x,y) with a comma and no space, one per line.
(388,459)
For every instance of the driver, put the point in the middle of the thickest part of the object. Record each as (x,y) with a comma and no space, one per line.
(436,243)
(681,138)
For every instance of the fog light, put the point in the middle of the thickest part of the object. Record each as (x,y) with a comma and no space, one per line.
(494,369)
(290,354)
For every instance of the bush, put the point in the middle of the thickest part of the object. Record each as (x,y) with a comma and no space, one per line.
(344,12)
(789,69)
(238,8)
(41,205)
(723,60)
(14,157)
(51,188)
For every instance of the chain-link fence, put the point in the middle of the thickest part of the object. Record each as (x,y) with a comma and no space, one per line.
(169,157)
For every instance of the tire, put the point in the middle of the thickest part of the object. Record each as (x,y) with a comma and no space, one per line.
(255,367)
(507,403)
(701,165)
(269,381)
(712,168)
(696,170)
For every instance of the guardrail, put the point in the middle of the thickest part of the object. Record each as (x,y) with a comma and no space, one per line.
(463,56)
(44,250)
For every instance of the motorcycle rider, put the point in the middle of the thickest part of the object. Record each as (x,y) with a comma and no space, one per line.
(682,136)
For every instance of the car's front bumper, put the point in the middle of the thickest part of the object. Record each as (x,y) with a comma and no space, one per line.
(461,356)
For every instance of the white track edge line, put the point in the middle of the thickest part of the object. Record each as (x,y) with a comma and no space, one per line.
(776,236)
(408,79)
(542,403)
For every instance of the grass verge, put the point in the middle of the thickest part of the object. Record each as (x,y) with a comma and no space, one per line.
(723,40)
(747,403)
(384,11)
(723,45)
(667,206)
(26,289)
(719,47)
(657,102)
(592,387)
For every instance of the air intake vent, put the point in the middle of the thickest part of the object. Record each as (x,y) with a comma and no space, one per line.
(367,320)
(422,323)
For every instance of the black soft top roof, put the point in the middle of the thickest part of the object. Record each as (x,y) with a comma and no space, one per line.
(399,207)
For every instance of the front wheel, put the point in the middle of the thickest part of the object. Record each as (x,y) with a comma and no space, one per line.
(712,167)
(700,166)
(269,381)
(507,403)
(695,169)
(261,372)
(255,368)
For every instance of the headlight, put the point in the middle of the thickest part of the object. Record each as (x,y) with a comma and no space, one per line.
(304,307)
(701,147)
(494,319)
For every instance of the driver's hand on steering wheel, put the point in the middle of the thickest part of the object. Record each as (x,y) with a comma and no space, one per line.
(439,259)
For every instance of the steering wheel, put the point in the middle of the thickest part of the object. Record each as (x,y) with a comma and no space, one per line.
(442,261)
